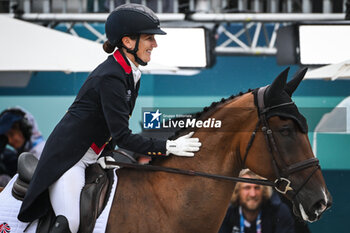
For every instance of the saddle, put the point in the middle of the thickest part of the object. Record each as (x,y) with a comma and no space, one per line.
(27,163)
(93,199)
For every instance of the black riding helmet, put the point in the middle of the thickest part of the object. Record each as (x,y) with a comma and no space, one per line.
(131,20)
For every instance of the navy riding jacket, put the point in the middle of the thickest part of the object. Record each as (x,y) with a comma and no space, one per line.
(98,116)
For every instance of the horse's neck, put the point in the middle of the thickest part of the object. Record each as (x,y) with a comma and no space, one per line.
(221,148)
(181,203)
(219,154)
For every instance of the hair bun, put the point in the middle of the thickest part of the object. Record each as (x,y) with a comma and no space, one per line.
(108,47)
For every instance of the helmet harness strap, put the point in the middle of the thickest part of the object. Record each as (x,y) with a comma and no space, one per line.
(134,51)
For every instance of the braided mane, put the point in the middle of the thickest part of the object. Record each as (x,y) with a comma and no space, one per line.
(166,134)
(207,109)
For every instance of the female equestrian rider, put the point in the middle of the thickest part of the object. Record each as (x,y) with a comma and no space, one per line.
(99,117)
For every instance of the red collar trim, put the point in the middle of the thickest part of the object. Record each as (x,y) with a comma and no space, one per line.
(120,59)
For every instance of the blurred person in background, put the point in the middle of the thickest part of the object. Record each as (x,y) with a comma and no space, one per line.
(254,209)
(19,130)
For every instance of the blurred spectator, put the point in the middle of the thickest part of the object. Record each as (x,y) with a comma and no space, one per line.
(255,209)
(19,130)
(8,164)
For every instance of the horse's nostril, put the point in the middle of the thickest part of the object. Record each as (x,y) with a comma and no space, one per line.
(319,206)
(329,204)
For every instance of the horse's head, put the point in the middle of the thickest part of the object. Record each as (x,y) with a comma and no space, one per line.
(281,136)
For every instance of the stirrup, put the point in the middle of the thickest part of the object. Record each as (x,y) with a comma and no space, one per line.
(61,225)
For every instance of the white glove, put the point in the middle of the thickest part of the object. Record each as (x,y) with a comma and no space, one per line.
(102,162)
(183,146)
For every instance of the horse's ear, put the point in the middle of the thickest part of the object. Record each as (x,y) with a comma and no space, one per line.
(278,84)
(294,83)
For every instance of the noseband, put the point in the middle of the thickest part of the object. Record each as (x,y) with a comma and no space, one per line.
(282,184)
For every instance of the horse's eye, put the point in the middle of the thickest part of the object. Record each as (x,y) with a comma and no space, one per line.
(285,131)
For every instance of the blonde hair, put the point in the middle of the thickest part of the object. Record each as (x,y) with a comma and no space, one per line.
(266,190)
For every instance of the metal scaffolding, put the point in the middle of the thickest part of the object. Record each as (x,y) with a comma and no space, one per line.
(254,36)
(175,6)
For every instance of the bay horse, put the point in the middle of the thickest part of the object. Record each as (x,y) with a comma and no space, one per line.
(261,130)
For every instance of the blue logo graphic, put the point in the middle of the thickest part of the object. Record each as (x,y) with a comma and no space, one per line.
(151,120)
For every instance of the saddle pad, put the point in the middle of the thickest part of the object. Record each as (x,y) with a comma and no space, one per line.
(9,208)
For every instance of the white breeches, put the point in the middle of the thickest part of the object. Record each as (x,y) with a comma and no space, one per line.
(65,192)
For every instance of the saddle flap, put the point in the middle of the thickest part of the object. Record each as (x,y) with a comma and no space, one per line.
(94,196)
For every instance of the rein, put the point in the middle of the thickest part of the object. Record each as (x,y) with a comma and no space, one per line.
(148,167)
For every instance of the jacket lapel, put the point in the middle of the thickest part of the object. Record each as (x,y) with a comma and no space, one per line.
(132,91)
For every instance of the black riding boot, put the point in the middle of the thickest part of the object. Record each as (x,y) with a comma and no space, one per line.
(61,225)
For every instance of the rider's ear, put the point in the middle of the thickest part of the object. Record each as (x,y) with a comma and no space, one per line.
(278,84)
(294,83)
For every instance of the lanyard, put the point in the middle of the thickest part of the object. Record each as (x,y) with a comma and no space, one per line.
(243,221)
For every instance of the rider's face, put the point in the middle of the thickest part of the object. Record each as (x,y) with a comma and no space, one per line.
(146,44)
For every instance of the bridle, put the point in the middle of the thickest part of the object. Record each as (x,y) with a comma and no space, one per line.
(282,184)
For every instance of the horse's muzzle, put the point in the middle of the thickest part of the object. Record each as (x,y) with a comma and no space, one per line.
(314,212)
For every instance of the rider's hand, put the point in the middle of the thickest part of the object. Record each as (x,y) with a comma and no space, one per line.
(183,146)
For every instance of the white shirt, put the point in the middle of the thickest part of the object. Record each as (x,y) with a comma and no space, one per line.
(136,72)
